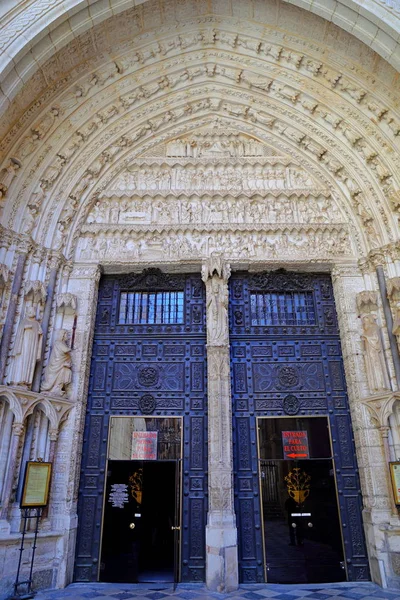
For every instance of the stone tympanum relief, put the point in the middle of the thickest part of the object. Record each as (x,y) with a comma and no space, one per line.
(58,372)
(215,190)
(27,349)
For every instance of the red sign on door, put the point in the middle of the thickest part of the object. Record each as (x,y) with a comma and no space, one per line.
(144,445)
(295,444)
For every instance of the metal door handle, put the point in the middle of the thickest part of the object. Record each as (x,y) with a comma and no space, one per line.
(132,525)
(310,525)
(175,528)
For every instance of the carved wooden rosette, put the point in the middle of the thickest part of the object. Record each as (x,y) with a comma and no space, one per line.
(221,533)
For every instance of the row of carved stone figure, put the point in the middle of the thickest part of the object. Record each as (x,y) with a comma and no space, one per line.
(206,211)
(215,146)
(27,351)
(231,177)
(237,245)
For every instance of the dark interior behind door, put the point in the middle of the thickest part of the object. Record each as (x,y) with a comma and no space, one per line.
(302,532)
(138,539)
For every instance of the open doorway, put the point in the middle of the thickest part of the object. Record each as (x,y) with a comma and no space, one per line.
(141,518)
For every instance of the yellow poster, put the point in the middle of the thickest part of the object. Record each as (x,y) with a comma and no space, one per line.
(395,475)
(36,484)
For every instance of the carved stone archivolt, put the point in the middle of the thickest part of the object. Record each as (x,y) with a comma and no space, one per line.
(315,144)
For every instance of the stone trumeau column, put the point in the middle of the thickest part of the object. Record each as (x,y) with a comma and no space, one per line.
(221,531)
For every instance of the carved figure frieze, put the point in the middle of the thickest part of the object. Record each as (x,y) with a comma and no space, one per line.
(58,373)
(27,349)
(228,177)
(257,243)
(279,208)
(215,145)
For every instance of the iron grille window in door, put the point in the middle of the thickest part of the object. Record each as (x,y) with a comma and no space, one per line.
(150,308)
(282,308)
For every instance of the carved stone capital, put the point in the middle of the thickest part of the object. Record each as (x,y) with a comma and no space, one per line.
(36,291)
(18,429)
(377,257)
(55,260)
(67,303)
(215,265)
(367,301)
(39,254)
(23,244)
(339,271)
(53,434)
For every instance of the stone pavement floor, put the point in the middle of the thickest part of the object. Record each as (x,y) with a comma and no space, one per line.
(332,591)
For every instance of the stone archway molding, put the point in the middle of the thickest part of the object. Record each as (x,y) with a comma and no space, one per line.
(46,26)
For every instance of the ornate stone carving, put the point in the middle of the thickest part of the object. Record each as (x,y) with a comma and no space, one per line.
(172,243)
(374,358)
(393,290)
(367,301)
(35,291)
(58,373)
(4,272)
(27,349)
(215,274)
(7,175)
(67,303)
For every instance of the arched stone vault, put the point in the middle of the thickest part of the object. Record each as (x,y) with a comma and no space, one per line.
(324,117)
(32,33)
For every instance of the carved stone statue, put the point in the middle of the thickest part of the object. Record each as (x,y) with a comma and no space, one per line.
(27,349)
(58,373)
(217,312)
(373,355)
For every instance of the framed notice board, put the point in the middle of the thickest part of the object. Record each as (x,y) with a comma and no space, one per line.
(35,492)
(395,477)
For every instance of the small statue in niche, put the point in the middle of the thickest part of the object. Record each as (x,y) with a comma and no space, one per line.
(58,374)
(373,355)
(27,349)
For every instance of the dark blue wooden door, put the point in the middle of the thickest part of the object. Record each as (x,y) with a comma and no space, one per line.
(286,360)
(148,359)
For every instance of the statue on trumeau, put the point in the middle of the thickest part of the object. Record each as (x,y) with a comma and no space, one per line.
(27,349)
(217,311)
(58,372)
(215,274)
(373,355)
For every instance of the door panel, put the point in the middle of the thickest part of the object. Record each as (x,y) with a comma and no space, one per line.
(155,366)
(286,360)
(302,532)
